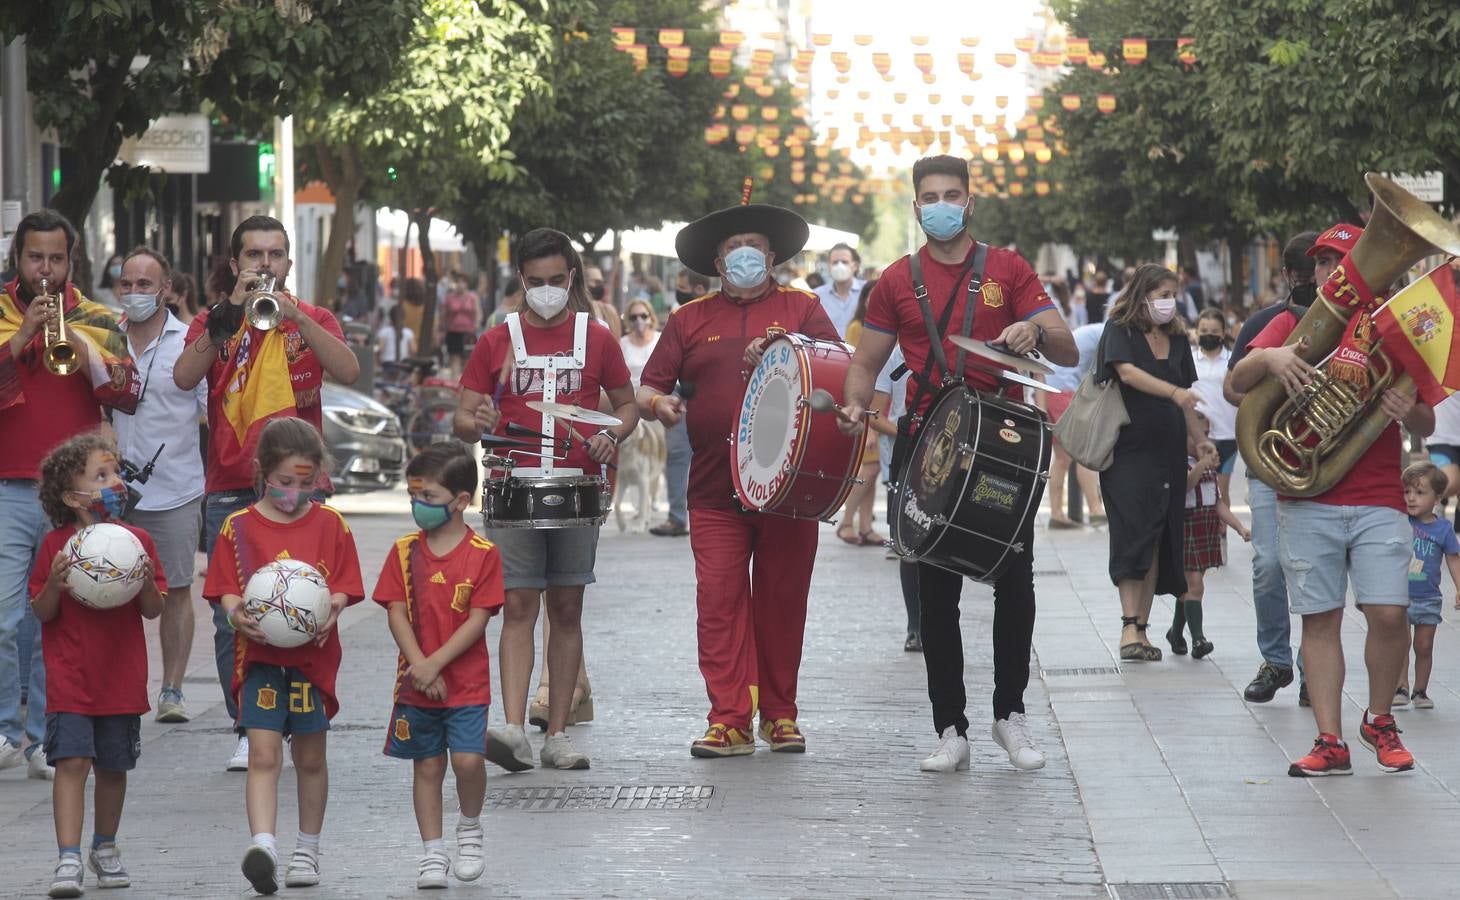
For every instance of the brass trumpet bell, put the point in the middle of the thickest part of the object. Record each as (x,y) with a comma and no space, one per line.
(59,355)
(262,308)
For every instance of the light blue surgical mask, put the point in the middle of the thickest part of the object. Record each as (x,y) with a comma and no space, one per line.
(942,220)
(430,516)
(745,267)
(139,307)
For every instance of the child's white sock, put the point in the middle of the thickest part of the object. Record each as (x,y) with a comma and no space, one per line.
(308,842)
(465,822)
(439,844)
(266,840)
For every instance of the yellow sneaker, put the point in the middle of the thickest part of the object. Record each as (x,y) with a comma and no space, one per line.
(784,735)
(723,740)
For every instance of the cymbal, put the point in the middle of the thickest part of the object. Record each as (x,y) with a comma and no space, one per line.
(1015,378)
(574,413)
(1034,363)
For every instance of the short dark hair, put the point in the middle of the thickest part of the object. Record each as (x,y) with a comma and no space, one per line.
(697,282)
(540,243)
(1295,253)
(449,464)
(152,254)
(255,223)
(942,164)
(1427,472)
(41,220)
(857,257)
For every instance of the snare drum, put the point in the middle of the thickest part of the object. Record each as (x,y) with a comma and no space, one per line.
(562,501)
(973,483)
(788,460)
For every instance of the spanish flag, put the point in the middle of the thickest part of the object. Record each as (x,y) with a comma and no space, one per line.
(257,386)
(1419,330)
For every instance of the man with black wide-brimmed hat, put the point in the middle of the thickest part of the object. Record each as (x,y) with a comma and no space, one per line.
(753,571)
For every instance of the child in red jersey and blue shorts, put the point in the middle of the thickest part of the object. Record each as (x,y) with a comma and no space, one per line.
(439,586)
(96,660)
(285,691)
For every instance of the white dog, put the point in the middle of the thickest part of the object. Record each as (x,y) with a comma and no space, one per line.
(641,465)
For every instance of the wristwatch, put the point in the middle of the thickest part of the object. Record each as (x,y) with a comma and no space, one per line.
(613,438)
(1039,341)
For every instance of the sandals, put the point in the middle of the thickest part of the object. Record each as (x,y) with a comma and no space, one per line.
(871,538)
(847,535)
(1138,651)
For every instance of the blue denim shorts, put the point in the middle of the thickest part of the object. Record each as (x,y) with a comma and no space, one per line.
(1323,547)
(1426,610)
(110,742)
(421,732)
(276,698)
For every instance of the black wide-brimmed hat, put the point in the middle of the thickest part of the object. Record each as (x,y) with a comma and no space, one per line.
(698,243)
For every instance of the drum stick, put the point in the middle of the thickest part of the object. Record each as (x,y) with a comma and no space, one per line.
(821,401)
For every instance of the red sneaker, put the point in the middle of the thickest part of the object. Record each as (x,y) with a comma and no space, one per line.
(1329,757)
(1381,735)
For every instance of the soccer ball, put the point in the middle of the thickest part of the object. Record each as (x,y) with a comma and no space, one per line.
(107,565)
(290,600)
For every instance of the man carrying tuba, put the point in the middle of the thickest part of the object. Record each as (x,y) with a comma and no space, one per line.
(1357,529)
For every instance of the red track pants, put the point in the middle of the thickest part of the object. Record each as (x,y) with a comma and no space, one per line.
(754,571)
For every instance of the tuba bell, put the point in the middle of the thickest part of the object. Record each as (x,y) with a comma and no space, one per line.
(59,355)
(1301,446)
(262,307)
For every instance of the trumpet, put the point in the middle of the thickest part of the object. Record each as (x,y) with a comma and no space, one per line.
(261,305)
(60,354)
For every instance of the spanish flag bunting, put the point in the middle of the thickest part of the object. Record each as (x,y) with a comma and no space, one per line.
(715,134)
(765,90)
(1036,102)
(798,152)
(923,61)
(831,132)
(917,119)
(1043,154)
(1001,102)
(761,59)
(887,118)
(671,37)
(1006,60)
(739,112)
(990,153)
(1015,153)
(720,111)
(1105,103)
(842,60)
(803,132)
(797,177)
(821,40)
(1016,189)
(1419,327)
(639,53)
(862,40)
(1134,50)
(1185,51)
(1046,58)
(965,63)
(859,117)
(623,37)
(947,120)
(864,95)
(968,41)
(1096,61)
(720,61)
(803,60)
(775,37)
(1070,102)
(1041,188)
(899,98)
(800,91)
(935,99)
(1025,44)
(732,89)
(744,134)
(929,78)
(843,78)
(753,81)
(679,53)
(772,150)
(1035,134)
(833,93)
(732,38)
(882,62)
(967,99)
(1021,171)
(920,40)
(1077,49)
(770,113)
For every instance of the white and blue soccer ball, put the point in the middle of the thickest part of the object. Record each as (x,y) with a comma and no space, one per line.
(290,600)
(108,565)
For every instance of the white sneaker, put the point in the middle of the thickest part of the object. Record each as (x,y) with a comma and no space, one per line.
(469,859)
(1013,735)
(261,868)
(67,880)
(432,873)
(171,707)
(38,768)
(558,752)
(238,762)
(951,755)
(106,862)
(303,869)
(507,747)
(10,753)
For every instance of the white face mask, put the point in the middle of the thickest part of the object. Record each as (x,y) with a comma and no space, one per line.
(138,307)
(1162,310)
(841,271)
(546,300)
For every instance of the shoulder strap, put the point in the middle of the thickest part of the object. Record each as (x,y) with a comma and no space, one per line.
(975,285)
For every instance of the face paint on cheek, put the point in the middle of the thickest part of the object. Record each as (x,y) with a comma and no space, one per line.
(415,484)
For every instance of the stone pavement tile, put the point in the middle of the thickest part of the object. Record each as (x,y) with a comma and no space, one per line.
(1428,879)
(1322,886)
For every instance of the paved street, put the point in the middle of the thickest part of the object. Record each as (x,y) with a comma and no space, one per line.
(1161,782)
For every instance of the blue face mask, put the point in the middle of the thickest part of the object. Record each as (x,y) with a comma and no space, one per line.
(745,267)
(430,516)
(108,503)
(942,220)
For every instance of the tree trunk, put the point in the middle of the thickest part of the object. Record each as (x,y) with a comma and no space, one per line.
(426,340)
(95,149)
(1236,275)
(345,178)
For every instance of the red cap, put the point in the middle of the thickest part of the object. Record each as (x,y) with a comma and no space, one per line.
(1340,239)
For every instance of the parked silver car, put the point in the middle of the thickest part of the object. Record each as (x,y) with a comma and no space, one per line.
(364,437)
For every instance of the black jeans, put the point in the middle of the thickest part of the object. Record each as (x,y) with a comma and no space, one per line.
(1013,633)
(907,573)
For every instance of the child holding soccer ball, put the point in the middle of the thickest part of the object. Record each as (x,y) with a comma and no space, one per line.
(96,660)
(439,586)
(284,690)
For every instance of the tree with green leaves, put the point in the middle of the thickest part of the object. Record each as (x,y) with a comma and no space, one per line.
(102,70)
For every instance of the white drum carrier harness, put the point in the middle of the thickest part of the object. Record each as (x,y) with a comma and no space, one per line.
(549,366)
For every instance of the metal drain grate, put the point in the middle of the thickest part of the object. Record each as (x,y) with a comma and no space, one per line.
(1080,670)
(1168,890)
(602,796)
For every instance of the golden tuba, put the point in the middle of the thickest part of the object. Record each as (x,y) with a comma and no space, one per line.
(59,355)
(1301,446)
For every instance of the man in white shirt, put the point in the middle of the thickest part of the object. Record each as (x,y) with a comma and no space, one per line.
(840,294)
(171,508)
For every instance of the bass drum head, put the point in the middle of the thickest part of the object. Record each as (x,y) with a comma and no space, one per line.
(768,425)
(936,470)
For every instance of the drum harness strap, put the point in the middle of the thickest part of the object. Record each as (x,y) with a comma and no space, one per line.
(550,366)
(907,428)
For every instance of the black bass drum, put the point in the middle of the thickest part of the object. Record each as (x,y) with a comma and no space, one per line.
(973,482)
(563,501)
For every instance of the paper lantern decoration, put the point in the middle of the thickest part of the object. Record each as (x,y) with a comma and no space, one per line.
(623,37)
(671,37)
(1186,52)
(1134,50)
(1024,44)
(1070,102)
(1105,103)
(1096,61)
(1006,60)
(1077,50)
